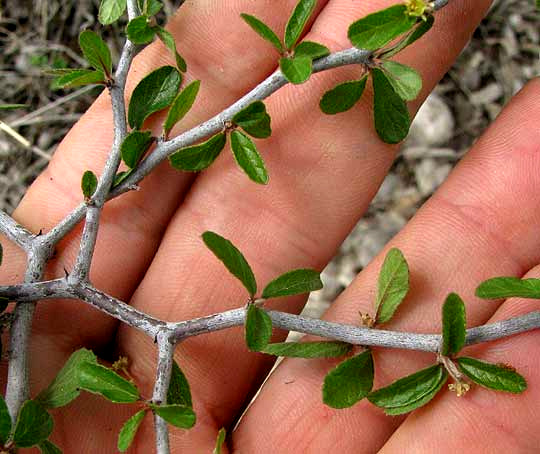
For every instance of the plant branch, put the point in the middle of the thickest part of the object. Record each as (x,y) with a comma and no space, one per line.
(166,349)
(357,335)
(15,232)
(95,206)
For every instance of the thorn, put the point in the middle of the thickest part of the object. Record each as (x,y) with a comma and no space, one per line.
(66,272)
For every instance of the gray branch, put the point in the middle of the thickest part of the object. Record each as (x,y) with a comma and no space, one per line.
(15,232)
(178,331)
(163,378)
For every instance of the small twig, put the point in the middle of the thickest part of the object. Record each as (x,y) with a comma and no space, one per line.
(15,232)
(23,141)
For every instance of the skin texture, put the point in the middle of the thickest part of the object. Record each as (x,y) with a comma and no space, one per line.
(324,172)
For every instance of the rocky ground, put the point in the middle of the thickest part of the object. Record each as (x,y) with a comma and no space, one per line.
(501,57)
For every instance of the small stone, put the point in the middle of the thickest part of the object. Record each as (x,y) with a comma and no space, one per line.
(433,125)
(429,175)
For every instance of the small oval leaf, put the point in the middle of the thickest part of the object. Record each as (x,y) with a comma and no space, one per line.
(111,10)
(378,29)
(71,78)
(199,157)
(168,39)
(65,386)
(129,430)
(181,106)
(97,379)
(294,282)
(297,69)
(298,20)
(139,30)
(263,30)
(154,93)
(406,81)
(454,328)
(34,425)
(311,49)
(258,328)
(493,376)
(248,158)
(411,392)
(393,285)
(349,382)
(89,184)
(177,415)
(420,30)
(179,391)
(343,96)
(254,120)
(392,119)
(308,349)
(95,51)
(509,287)
(232,258)
(135,146)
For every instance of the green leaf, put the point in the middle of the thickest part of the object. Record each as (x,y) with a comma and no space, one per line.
(5,422)
(179,392)
(48,447)
(297,22)
(12,106)
(248,158)
(121,176)
(89,184)
(308,349)
(129,430)
(65,387)
(181,106)
(34,425)
(296,70)
(199,157)
(97,379)
(135,146)
(177,415)
(232,258)
(294,282)
(263,30)
(411,392)
(453,325)
(111,10)
(154,93)
(493,376)
(3,306)
(392,120)
(168,39)
(258,328)
(406,81)
(508,287)
(150,7)
(311,50)
(393,285)
(343,97)
(254,120)
(378,29)
(139,30)
(220,440)
(71,78)
(420,30)
(349,382)
(95,51)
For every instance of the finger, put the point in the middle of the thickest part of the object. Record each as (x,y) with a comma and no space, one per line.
(132,225)
(324,172)
(468,231)
(484,421)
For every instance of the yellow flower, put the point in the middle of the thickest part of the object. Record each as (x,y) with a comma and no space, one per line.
(418,8)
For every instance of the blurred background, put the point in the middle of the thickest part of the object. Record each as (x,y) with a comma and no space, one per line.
(501,57)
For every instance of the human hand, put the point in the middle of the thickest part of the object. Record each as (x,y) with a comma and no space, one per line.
(324,172)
